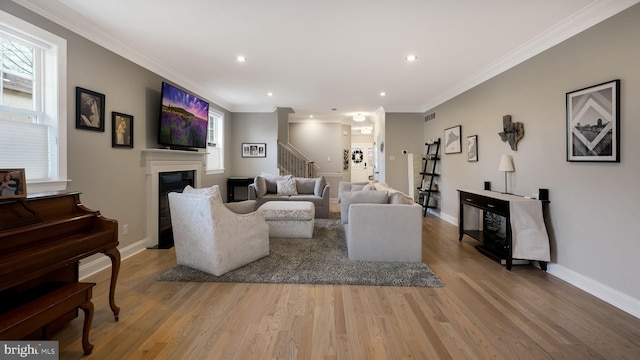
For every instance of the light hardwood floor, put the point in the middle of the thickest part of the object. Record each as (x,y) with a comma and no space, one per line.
(483,312)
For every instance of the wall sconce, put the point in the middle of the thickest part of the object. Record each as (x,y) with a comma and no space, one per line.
(506,165)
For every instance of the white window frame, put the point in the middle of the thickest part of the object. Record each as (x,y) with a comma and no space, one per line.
(52,101)
(215,142)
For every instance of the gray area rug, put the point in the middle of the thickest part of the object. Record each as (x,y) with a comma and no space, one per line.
(320,260)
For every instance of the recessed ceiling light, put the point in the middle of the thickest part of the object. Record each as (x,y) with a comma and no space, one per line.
(241,58)
(269,93)
(311,116)
(411,58)
(382,93)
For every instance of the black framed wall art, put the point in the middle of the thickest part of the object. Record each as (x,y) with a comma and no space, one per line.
(89,110)
(593,123)
(472,148)
(122,130)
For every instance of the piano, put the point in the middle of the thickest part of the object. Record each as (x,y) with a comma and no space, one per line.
(42,239)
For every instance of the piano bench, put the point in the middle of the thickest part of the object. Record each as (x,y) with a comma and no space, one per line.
(29,317)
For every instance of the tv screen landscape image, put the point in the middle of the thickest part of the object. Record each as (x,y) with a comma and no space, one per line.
(183,119)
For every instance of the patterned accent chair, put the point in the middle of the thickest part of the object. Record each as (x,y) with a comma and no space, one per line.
(210,237)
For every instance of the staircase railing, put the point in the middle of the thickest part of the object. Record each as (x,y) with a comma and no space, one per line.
(292,161)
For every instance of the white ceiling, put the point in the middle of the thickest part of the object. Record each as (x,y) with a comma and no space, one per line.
(315,56)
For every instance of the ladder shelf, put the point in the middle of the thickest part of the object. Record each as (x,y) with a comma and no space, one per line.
(428,188)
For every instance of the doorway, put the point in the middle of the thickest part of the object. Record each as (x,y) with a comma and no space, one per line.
(361,162)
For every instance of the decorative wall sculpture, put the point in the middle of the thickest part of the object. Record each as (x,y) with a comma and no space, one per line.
(345,159)
(512,132)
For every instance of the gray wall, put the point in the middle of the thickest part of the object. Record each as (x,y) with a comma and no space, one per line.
(112,180)
(401,135)
(594,207)
(253,128)
(283,124)
(321,142)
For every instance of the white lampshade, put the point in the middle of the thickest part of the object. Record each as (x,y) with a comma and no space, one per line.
(506,163)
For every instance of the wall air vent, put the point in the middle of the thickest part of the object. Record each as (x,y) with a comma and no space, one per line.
(430,117)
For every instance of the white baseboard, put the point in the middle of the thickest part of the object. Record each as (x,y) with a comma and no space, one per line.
(603,292)
(448,218)
(104,262)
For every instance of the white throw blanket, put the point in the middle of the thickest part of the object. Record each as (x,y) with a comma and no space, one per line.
(529,235)
(530,240)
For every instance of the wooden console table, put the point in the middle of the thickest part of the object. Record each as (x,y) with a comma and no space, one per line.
(526,235)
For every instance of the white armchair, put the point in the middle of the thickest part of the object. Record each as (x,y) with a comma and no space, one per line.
(210,237)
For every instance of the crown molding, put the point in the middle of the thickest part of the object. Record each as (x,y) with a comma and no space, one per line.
(589,16)
(253,109)
(72,20)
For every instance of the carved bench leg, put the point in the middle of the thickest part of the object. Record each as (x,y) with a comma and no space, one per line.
(114,255)
(87,307)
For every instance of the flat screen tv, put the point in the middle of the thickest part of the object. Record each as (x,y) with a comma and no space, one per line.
(183,120)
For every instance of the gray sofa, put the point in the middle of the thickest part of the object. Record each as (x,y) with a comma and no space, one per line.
(380,223)
(268,187)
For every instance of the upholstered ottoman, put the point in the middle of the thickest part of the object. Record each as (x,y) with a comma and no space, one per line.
(289,219)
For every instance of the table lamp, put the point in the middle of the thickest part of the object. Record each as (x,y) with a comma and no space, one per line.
(506,165)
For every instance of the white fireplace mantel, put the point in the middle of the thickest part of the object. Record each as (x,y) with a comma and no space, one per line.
(159,161)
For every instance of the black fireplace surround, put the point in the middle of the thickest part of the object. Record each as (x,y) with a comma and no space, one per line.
(174,181)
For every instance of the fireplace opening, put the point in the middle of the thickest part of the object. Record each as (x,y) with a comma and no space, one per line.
(174,181)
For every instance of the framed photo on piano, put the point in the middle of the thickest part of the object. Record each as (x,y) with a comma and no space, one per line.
(12,184)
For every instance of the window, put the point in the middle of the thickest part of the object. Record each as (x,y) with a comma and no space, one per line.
(33,103)
(215,143)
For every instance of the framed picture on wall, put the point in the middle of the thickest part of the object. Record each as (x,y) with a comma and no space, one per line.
(122,130)
(254,150)
(472,148)
(89,110)
(593,123)
(452,140)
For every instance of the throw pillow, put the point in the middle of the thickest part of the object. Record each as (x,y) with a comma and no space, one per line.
(399,198)
(359,187)
(321,182)
(261,186)
(381,186)
(214,190)
(305,185)
(272,180)
(287,187)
